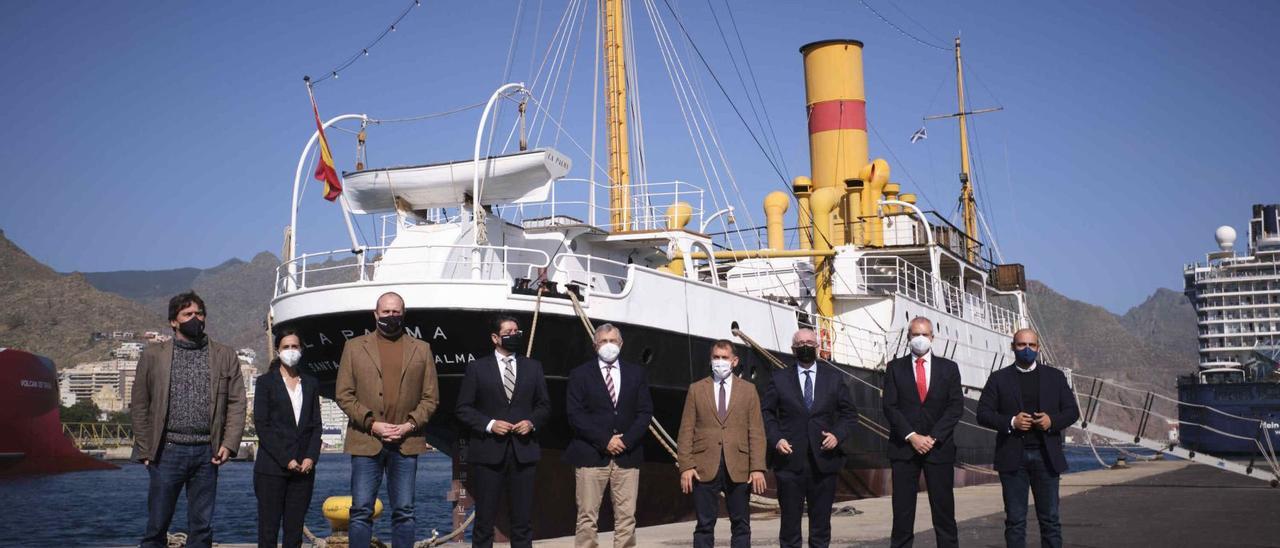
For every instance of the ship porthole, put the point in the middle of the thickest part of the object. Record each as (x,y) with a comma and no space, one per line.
(646,356)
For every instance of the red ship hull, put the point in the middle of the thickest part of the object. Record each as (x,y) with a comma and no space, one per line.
(31,438)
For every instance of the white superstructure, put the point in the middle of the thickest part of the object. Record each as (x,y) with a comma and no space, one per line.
(1237,297)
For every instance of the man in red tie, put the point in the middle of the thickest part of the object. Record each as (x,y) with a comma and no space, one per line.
(923,403)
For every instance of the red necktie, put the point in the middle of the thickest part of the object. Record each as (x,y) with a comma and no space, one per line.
(922,385)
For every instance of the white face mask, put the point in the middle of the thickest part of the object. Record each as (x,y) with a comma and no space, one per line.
(920,345)
(721,369)
(608,352)
(290,357)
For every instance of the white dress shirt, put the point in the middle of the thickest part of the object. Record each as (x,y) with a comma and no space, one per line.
(928,376)
(615,373)
(728,391)
(813,374)
(295,398)
(502,364)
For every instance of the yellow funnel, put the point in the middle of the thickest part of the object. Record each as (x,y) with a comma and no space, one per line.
(837,108)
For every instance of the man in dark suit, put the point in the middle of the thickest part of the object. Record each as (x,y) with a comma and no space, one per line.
(503,402)
(609,409)
(807,413)
(923,403)
(1029,405)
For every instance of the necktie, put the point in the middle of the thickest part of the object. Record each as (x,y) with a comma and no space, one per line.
(608,383)
(922,384)
(808,390)
(508,377)
(722,406)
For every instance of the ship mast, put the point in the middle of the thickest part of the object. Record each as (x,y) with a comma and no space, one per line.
(968,207)
(616,122)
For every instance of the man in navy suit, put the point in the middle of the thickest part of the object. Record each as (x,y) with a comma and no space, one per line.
(923,403)
(1029,405)
(609,409)
(807,413)
(503,402)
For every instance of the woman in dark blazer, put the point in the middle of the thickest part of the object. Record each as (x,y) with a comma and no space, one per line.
(286,414)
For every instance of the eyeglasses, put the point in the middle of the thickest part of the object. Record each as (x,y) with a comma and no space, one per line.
(510,333)
(914,335)
(806,344)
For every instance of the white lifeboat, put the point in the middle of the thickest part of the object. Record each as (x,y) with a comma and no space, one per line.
(522,177)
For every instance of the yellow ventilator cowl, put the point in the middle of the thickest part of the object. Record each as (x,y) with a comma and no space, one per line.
(823,201)
(891,191)
(678,215)
(908,198)
(338,511)
(877,176)
(775,206)
(802,186)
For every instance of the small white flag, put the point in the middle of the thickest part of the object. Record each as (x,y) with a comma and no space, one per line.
(919,134)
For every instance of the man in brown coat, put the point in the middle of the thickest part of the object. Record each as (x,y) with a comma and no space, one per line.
(187,409)
(387,387)
(722,448)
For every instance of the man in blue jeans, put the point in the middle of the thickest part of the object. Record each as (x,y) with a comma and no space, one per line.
(1029,405)
(387,387)
(187,409)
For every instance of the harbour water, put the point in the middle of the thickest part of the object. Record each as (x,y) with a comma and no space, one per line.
(108,508)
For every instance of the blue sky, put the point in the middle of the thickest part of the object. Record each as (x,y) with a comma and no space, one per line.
(162,135)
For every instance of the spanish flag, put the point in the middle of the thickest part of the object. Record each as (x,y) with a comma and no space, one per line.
(324,168)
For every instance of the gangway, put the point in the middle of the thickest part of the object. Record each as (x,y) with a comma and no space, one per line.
(1105,404)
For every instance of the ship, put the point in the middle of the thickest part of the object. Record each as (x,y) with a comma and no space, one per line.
(31,436)
(1231,404)
(508,231)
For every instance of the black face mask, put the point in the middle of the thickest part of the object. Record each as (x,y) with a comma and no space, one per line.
(391,326)
(512,343)
(192,329)
(805,354)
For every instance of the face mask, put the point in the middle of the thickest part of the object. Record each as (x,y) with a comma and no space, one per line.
(390,325)
(608,352)
(720,369)
(290,357)
(805,354)
(512,343)
(192,329)
(1026,357)
(920,345)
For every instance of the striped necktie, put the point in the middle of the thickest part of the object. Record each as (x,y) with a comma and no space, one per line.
(608,383)
(508,377)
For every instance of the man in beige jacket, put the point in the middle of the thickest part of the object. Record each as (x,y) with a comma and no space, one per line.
(722,448)
(387,387)
(187,409)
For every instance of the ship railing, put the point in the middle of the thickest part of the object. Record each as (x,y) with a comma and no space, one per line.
(1138,415)
(592,274)
(878,275)
(854,345)
(581,201)
(769,281)
(417,262)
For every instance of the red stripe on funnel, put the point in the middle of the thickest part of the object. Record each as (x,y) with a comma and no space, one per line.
(838,114)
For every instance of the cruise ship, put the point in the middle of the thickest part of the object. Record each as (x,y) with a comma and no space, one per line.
(1231,404)
(845,249)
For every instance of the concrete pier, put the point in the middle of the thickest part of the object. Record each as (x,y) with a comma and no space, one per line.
(1172,503)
